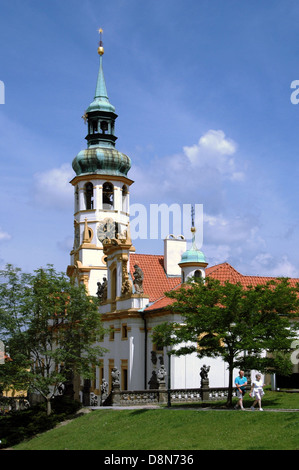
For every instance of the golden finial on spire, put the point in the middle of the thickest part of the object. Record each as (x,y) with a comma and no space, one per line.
(100,48)
(193,229)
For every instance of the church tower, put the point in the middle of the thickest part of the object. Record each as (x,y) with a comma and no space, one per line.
(101,189)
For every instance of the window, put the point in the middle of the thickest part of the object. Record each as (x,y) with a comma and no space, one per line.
(94,127)
(124,331)
(197,274)
(124,379)
(125,195)
(124,374)
(108,196)
(111,333)
(102,337)
(104,127)
(89,196)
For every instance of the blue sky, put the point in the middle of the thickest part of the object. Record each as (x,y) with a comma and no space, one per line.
(202,89)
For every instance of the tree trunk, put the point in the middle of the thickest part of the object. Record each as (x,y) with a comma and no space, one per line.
(49,407)
(229,402)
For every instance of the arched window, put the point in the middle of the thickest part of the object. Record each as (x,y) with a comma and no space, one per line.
(125,195)
(197,274)
(108,196)
(94,127)
(89,196)
(104,126)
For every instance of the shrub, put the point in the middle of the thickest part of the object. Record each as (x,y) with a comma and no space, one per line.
(20,425)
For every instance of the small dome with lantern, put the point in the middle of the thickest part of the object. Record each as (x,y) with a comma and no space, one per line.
(193,261)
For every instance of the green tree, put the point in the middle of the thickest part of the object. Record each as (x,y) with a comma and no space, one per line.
(50,328)
(238,324)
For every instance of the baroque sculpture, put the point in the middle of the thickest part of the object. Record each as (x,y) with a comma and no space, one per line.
(115,374)
(138,279)
(102,290)
(204,372)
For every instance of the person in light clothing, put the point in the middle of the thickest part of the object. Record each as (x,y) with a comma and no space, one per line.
(240,383)
(257,391)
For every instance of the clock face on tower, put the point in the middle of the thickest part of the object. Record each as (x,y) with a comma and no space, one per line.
(107,229)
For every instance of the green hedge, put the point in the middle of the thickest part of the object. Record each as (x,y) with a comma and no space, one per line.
(20,425)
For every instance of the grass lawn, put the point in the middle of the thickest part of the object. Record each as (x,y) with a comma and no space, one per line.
(179,428)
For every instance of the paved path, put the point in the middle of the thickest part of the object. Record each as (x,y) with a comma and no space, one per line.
(153,407)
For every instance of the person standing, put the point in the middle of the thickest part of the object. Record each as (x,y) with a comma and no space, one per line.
(240,382)
(257,391)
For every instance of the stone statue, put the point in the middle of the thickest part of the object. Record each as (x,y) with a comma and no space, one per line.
(61,389)
(153,382)
(102,290)
(104,391)
(204,372)
(115,374)
(126,288)
(161,374)
(93,399)
(204,382)
(154,357)
(104,387)
(138,279)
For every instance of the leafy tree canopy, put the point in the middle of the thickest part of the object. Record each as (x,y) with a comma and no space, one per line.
(250,328)
(50,329)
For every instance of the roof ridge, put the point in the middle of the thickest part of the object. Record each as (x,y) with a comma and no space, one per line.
(145,254)
(216,267)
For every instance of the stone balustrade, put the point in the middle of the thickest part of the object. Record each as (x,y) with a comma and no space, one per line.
(160,396)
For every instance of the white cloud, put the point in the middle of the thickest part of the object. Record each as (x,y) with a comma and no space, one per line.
(53,189)
(266,264)
(212,142)
(216,254)
(198,173)
(231,229)
(4,236)
(215,150)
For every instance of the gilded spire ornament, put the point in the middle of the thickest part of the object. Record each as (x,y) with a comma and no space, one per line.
(100,48)
(193,229)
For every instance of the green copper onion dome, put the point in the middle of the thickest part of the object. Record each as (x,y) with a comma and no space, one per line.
(101,156)
(101,160)
(193,256)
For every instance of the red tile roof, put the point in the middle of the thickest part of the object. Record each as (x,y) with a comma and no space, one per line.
(156,282)
(225,272)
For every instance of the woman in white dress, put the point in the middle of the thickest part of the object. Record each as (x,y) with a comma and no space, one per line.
(257,391)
